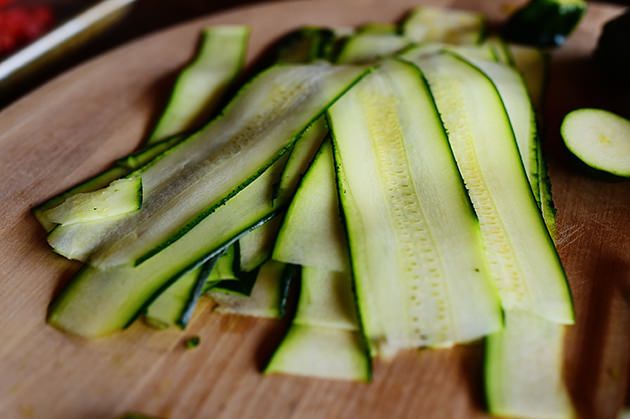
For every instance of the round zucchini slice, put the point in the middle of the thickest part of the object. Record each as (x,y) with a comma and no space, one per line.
(600,139)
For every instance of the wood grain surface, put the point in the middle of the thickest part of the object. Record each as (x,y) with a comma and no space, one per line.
(78,123)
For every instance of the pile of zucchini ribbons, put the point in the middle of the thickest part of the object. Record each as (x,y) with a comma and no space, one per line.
(391,174)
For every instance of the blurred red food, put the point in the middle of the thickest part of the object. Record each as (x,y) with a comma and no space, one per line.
(20,25)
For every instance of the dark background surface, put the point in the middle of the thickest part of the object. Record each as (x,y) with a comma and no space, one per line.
(144,17)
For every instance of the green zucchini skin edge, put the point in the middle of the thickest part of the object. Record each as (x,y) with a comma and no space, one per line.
(189,308)
(550,239)
(570,315)
(188,226)
(342,217)
(121,168)
(199,57)
(142,308)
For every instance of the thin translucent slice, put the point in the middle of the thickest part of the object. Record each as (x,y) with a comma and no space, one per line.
(433,24)
(500,50)
(367,47)
(311,233)
(99,302)
(533,64)
(256,246)
(301,157)
(523,260)
(121,197)
(224,268)
(200,86)
(420,276)
(175,306)
(94,183)
(326,300)
(524,369)
(264,300)
(481,51)
(520,110)
(194,178)
(321,353)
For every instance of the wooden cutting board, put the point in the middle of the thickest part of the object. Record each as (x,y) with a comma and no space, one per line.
(81,121)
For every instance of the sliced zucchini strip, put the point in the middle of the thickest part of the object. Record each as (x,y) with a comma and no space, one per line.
(94,183)
(523,260)
(499,49)
(121,197)
(321,352)
(523,369)
(256,246)
(367,47)
(481,51)
(191,180)
(175,306)
(200,86)
(314,214)
(265,298)
(323,339)
(326,299)
(301,157)
(99,302)
(432,24)
(521,113)
(415,246)
(533,65)
(224,268)
(600,139)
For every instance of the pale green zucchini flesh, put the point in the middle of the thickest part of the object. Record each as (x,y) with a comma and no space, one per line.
(368,47)
(521,113)
(99,302)
(300,158)
(194,178)
(264,300)
(326,299)
(94,183)
(600,139)
(311,232)
(200,86)
(499,49)
(174,307)
(224,268)
(432,24)
(415,247)
(533,64)
(256,246)
(524,369)
(119,198)
(481,51)
(323,340)
(321,353)
(523,260)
